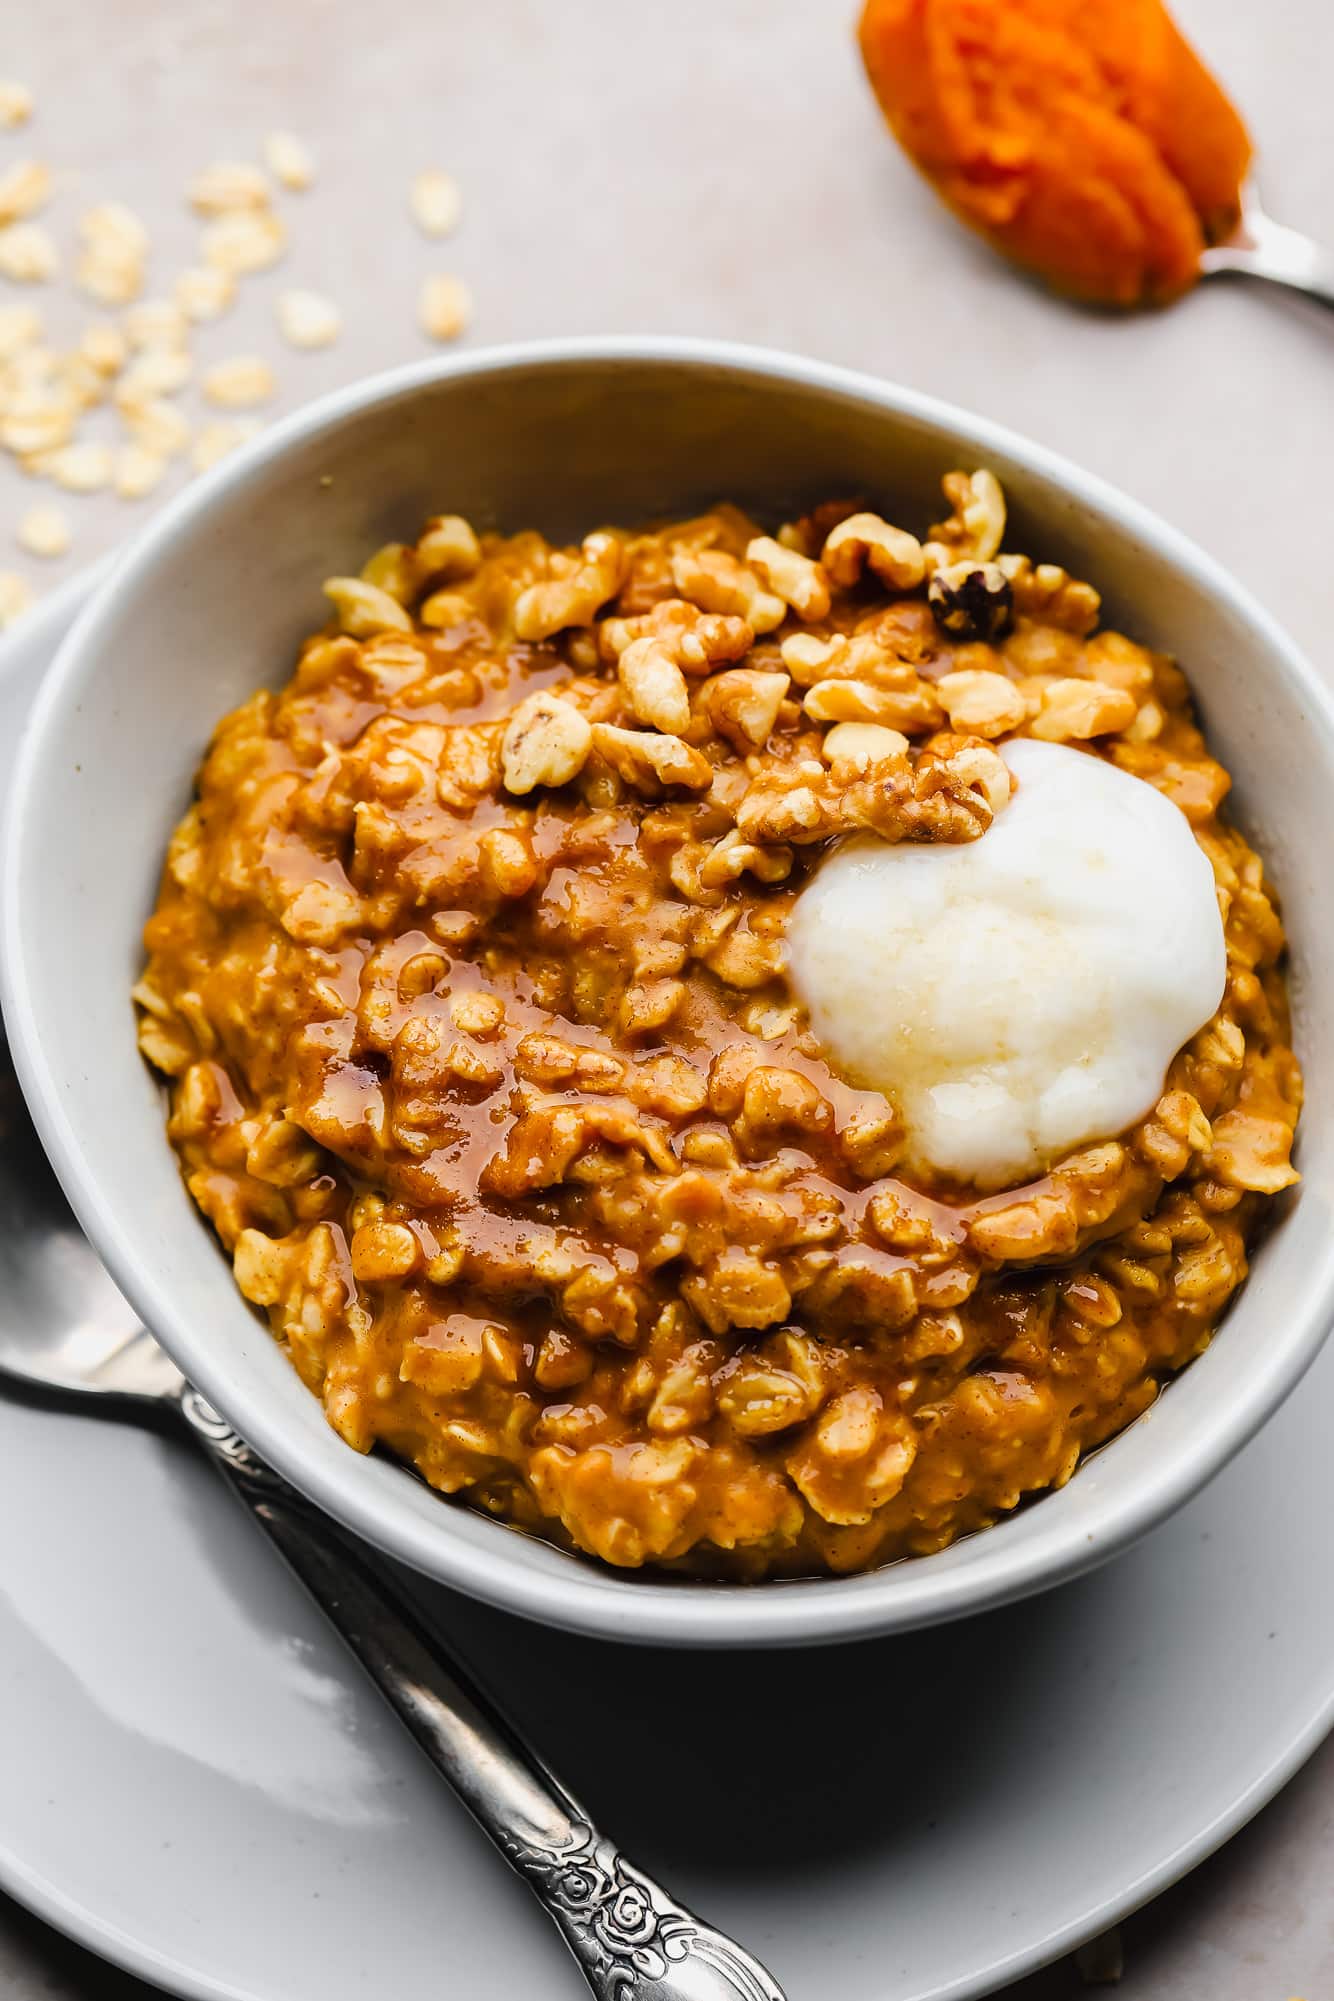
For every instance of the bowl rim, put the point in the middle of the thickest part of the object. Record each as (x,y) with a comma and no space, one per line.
(584,1597)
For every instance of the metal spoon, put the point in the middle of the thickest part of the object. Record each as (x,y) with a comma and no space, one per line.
(66,1332)
(1259,247)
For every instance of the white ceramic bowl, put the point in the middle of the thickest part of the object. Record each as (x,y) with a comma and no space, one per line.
(211,602)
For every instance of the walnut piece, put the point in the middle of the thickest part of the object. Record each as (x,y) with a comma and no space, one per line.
(546,742)
(743,704)
(654,686)
(861,745)
(795,578)
(715,581)
(1073,711)
(982,703)
(976,527)
(649,762)
(910,710)
(948,797)
(866,540)
(363,608)
(698,641)
(547,608)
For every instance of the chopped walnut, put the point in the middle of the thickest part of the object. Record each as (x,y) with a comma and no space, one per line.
(861,745)
(447,549)
(809,659)
(743,703)
(654,686)
(944,799)
(697,641)
(546,742)
(575,599)
(976,528)
(1073,711)
(649,762)
(1250,1151)
(717,582)
(865,540)
(968,762)
(394,568)
(859,656)
(364,609)
(1048,592)
(731,857)
(912,710)
(796,579)
(982,703)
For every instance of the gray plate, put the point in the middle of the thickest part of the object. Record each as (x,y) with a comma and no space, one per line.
(199,1786)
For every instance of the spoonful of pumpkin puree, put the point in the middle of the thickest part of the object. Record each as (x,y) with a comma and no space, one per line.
(1082,138)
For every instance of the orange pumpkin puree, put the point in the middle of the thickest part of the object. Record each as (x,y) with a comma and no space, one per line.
(1083,138)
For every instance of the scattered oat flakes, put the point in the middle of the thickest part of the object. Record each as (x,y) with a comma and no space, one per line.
(24,188)
(289,160)
(29,369)
(44,531)
(217,439)
(111,280)
(436,201)
(15,597)
(82,468)
(228,185)
(204,292)
(15,103)
(115,246)
(157,371)
(81,380)
(156,323)
(243,380)
(20,327)
(246,240)
(27,254)
(137,472)
(103,346)
(110,228)
(27,428)
(445,307)
(307,319)
(157,426)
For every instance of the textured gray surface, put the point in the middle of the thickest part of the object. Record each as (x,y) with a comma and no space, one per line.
(716,167)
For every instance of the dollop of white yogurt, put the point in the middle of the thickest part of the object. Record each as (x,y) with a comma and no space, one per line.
(1022,994)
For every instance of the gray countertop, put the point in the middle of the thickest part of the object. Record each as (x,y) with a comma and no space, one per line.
(716,166)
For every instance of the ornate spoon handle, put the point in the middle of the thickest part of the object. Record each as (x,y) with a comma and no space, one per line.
(632,1940)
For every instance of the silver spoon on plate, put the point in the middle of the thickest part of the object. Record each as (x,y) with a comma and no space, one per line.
(1259,247)
(66,1333)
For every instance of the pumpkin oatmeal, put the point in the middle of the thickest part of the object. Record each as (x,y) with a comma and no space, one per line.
(468,974)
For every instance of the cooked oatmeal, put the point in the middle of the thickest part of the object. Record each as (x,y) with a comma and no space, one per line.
(468,976)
